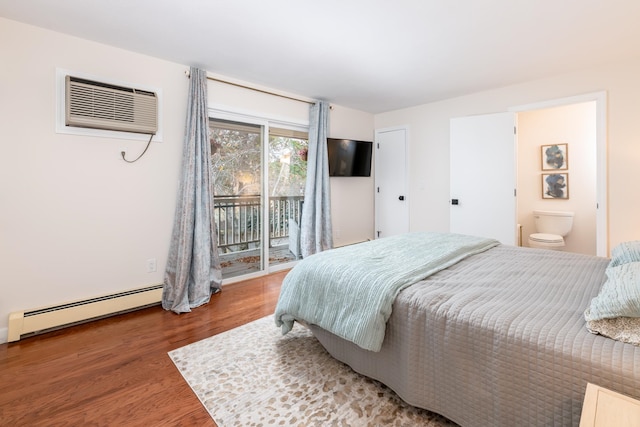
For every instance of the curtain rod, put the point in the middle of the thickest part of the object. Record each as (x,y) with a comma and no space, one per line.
(254,89)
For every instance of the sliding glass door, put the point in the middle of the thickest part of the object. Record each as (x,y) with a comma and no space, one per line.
(236,154)
(257,207)
(287,156)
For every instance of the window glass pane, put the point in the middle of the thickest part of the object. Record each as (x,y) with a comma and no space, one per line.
(287,165)
(236,155)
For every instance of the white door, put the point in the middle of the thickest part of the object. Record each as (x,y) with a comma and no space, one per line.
(392,199)
(483,176)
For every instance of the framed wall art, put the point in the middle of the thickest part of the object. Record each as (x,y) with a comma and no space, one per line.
(555,185)
(554,157)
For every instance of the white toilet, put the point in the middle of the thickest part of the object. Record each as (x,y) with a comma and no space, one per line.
(551,227)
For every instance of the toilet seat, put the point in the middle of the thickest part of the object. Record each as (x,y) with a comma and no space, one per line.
(546,238)
(546,241)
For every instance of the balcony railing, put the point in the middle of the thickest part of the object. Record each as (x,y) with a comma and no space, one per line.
(238,220)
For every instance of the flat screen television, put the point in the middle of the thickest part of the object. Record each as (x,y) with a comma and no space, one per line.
(348,157)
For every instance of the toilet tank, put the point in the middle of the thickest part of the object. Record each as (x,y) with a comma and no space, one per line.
(553,222)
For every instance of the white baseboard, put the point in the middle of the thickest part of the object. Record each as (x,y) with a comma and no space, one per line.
(4,335)
(48,318)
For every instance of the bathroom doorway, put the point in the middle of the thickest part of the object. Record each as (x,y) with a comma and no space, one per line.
(585,173)
(572,129)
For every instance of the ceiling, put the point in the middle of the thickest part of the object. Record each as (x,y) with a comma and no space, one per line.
(370,55)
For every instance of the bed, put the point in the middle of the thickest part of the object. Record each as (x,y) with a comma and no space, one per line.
(497,337)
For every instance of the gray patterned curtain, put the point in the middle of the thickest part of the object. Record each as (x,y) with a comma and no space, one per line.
(315,227)
(193,268)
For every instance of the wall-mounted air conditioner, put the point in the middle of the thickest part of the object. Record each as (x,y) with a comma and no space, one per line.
(96,105)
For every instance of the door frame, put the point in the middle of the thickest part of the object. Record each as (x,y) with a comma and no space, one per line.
(265,122)
(407,189)
(602,209)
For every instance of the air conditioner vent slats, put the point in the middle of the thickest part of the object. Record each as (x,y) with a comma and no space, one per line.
(104,106)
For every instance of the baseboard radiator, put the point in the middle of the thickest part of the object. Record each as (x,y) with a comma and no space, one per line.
(46,319)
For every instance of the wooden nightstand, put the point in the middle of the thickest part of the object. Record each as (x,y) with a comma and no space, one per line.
(606,408)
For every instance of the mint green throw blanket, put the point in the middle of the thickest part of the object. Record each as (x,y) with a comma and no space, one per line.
(350,291)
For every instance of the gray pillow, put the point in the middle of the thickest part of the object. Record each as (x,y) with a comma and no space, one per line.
(625,252)
(619,295)
(625,329)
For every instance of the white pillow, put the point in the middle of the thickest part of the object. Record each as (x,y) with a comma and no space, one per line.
(625,252)
(619,295)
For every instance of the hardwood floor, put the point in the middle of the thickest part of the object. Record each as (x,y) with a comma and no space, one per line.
(116,371)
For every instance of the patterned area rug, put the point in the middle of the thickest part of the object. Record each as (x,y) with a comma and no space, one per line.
(255,376)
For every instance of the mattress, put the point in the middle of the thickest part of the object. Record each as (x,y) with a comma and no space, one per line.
(498,339)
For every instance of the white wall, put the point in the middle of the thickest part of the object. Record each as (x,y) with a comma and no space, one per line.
(352,198)
(574,125)
(76,221)
(429,140)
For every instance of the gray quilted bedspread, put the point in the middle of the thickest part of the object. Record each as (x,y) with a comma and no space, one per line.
(353,300)
(498,339)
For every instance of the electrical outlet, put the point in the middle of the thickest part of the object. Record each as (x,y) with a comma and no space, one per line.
(151,265)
